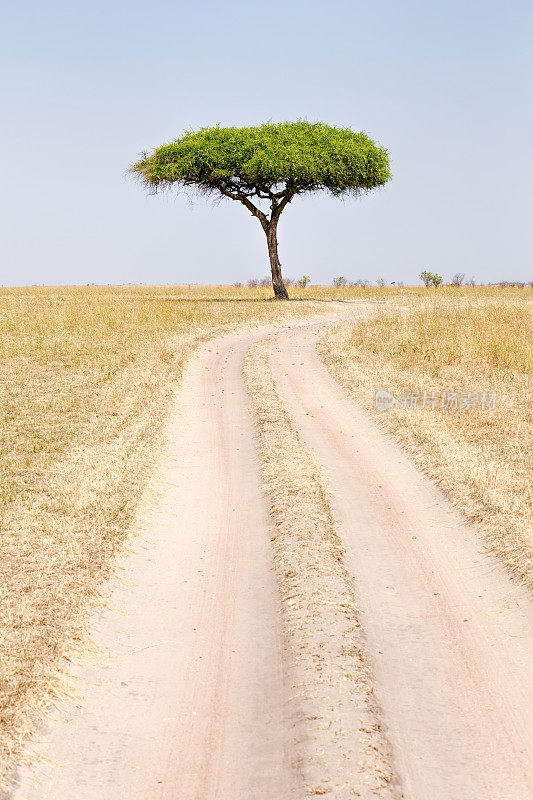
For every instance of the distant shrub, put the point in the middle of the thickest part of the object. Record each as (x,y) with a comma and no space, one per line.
(340,281)
(253,283)
(430,278)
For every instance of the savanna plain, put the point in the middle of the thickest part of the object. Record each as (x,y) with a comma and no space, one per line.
(87,379)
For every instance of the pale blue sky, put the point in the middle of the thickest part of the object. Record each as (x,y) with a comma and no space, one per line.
(445,86)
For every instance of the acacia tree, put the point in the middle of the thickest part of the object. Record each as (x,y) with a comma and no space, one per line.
(272,163)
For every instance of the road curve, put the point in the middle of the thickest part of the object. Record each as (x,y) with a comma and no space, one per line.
(449,634)
(189,698)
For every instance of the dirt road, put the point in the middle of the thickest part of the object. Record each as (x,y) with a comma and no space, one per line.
(190,697)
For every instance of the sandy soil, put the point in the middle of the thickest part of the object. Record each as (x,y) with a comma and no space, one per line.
(189,697)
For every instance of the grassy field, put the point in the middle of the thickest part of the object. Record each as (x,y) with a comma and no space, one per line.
(457,341)
(86,379)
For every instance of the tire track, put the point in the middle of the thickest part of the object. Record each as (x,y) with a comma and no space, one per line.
(341,750)
(449,633)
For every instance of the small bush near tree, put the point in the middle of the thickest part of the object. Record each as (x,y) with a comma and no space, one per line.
(303,281)
(340,281)
(430,278)
(253,283)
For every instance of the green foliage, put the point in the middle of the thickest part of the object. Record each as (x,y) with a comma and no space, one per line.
(303,281)
(340,281)
(430,278)
(302,156)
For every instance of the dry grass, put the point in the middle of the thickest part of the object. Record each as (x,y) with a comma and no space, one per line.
(340,745)
(458,340)
(86,379)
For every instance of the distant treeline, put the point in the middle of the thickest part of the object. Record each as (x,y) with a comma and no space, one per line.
(459,279)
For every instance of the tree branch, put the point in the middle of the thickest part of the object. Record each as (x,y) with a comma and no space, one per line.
(276,207)
(237,190)
(256,212)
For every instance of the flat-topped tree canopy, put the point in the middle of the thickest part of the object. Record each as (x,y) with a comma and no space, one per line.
(273,162)
(297,156)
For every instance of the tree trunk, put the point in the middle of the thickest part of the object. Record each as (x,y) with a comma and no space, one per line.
(280,291)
